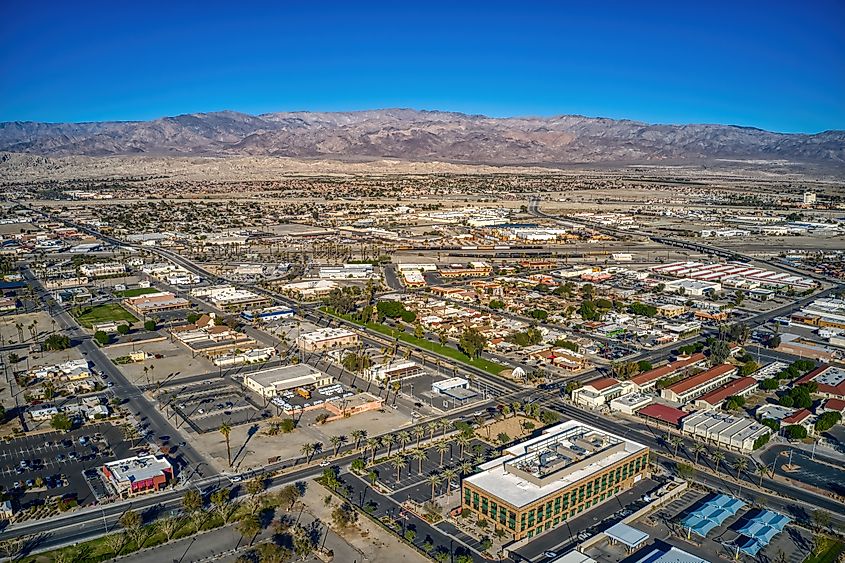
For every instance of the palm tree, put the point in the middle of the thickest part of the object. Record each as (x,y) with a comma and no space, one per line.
(225,429)
(442,448)
(740,464)
(698,448)
(463,441)
(432,428)
(448,475)
(373,445)
(676,443)
(433,480)
(420,456)
(718,457)
(445,425)
(307,450)
(337,442)
(404,437)
(466,468)
(358,435)
(419,432)
(388,441)
(398,462)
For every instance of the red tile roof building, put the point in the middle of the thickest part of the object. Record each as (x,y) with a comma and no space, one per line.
(647,379)
(693,387)
(738,387)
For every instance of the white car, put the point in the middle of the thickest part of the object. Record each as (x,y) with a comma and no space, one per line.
(325,463)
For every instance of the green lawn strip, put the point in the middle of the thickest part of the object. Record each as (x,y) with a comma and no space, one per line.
(90,316)
(136,292)
(436,347)
(828,553)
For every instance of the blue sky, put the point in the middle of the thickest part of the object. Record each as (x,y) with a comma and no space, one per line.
(778,66)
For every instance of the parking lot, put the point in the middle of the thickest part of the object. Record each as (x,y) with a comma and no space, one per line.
(209,404)
(58,459)
(412,482)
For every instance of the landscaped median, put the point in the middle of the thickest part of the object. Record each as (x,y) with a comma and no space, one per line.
(435,347)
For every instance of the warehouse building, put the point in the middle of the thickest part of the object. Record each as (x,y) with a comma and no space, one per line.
(541,483)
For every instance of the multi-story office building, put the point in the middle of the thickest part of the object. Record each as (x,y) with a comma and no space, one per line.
(540,483)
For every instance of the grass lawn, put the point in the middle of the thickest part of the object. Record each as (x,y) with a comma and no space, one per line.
(828,553)
(136,292)
(88,316)
(436,347)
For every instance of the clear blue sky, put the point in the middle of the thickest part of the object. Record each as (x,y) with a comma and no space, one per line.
(778,66)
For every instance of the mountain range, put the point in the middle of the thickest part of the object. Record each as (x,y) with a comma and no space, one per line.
(416,135)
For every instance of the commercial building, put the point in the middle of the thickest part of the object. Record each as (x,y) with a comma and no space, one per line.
(830,381)
(327,339)
(797,345)
(347,271)
(598,392)
(394,371)
(152,303)
(231,297)
(139,474)
(732,275)
(542,482)
(102,269)
(630,403)
(267,315)
(474,269)
(733,432)
(270,382)
(693,387)
(647,380)
(311,289)
(694,288)
(446,385)
(737,388)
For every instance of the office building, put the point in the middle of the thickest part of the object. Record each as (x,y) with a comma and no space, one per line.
(540,483)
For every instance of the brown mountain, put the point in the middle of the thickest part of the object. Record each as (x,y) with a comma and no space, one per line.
(423,136)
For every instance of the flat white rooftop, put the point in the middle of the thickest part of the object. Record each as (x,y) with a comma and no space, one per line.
(518,491)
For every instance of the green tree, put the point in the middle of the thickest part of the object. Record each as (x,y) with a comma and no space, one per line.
(249,526)
(102,338)
(150,325)
(61,421)
(57,342)
(192,501)
(472,342)
(123,329)
(795,432)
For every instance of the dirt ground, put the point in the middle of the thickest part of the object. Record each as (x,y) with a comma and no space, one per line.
(376,545)
(249,452)
(175,363)
(10,333)
(511,426)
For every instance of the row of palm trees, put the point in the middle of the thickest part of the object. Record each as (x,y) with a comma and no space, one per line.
(740,464)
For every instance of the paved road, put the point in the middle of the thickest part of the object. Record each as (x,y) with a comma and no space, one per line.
(134,399)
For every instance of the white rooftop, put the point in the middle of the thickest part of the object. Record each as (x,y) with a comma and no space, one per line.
(518,491)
